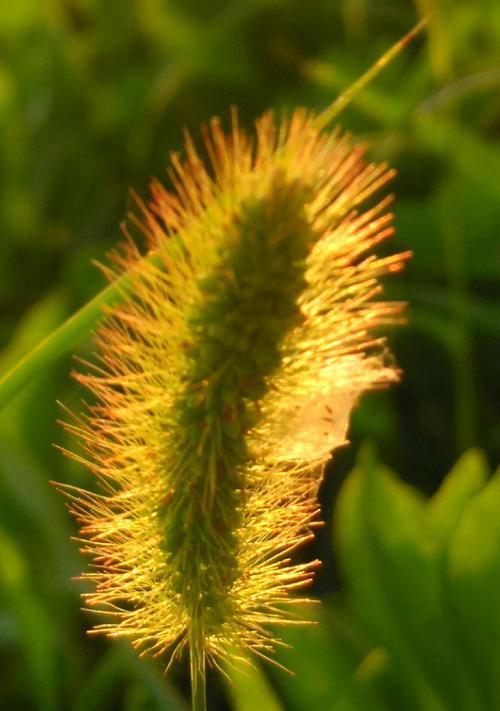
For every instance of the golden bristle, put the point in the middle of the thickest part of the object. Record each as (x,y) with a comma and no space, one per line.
(224,382)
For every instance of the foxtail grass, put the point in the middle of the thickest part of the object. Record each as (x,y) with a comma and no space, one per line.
(225,374)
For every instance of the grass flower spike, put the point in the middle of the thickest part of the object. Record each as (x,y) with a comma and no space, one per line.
(224,380)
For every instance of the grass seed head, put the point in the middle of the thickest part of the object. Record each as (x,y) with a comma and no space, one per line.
(224,381)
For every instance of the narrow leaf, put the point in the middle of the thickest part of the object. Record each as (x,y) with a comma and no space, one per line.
(474,572)
(396,583)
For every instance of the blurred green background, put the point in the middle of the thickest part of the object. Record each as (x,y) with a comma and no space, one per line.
(93,97)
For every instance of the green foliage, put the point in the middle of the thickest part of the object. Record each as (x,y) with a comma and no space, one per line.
(249,689)
(417,624)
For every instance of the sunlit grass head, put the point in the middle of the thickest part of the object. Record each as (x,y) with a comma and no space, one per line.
(225,379)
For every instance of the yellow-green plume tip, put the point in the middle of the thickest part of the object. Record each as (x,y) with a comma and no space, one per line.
(225,380)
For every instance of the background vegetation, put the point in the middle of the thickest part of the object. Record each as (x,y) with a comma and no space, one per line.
(93,96)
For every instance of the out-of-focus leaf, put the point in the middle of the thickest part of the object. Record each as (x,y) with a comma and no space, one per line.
(446,507)
(37,518)
(59,342)
(367,586)
(19,16)
(163,695)
(323,672)
(29,420)
(97,691)
(119,667)
(249,689)
(136,699)
(35,325)
(474,583)
(395,581)
(34,627)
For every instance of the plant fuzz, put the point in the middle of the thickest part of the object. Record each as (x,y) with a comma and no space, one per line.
(224,380)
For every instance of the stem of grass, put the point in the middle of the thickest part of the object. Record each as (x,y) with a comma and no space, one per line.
(198,681)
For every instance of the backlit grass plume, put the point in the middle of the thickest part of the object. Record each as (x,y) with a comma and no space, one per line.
(224,380)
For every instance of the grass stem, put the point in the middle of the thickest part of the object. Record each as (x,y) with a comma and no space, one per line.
(198,681)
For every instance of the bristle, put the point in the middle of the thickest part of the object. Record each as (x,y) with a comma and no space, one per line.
(224,382)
